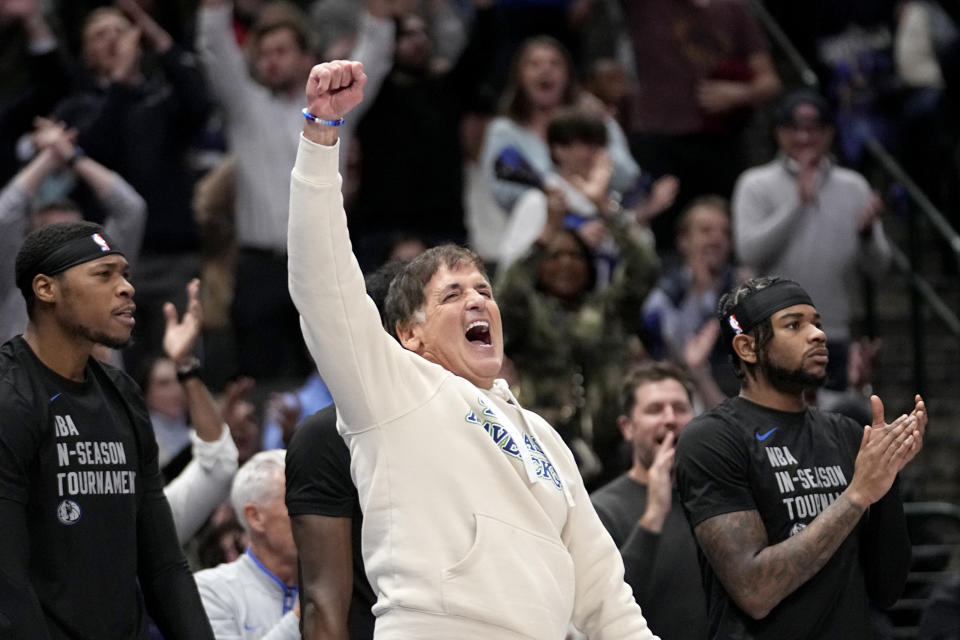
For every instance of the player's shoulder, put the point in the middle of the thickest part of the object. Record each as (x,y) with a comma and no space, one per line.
(725,416)
(322,420)
(720,429)
(16,388)
(316,433)
(119,377)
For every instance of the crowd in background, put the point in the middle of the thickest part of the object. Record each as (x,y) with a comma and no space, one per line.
(615,182)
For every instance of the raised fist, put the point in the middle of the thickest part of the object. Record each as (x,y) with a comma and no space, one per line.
(334,88)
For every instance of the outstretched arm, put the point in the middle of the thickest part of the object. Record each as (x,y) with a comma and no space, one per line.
(179,341)
(126,210)
(205,482)
(15,217)
(340,323)
(190,102)
(15,208)
(758,575)
(222,59)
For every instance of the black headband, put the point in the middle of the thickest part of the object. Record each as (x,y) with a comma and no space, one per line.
(759,306)
(70,254)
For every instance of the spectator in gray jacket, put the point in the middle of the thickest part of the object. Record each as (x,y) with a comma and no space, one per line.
(802,217)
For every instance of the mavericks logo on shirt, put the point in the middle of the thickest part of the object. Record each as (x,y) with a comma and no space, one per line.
(68,512)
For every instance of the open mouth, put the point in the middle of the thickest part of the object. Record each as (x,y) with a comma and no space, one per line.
(478,333)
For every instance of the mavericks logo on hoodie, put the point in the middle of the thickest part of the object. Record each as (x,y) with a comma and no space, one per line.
(506,443)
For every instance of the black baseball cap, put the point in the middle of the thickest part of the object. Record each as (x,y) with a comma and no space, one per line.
(786,110)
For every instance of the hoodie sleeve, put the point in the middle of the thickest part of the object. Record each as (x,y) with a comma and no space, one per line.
(357,359)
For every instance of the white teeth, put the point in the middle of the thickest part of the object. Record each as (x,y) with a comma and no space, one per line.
(478,323)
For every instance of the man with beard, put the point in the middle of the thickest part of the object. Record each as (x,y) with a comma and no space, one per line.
(88,539)
(796,511)
(640,508)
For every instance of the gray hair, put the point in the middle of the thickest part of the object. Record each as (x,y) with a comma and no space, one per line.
(257,481)
(406,296)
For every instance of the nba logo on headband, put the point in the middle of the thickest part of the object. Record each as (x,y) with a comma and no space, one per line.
(734,324)
(100,242)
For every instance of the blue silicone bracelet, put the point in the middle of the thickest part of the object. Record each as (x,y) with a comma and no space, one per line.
(312,118)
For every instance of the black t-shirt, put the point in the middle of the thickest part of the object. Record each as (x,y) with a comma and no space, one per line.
(83,498)
(319,483)
(789,467)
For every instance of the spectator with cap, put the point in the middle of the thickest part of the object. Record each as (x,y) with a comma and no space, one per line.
(803,217)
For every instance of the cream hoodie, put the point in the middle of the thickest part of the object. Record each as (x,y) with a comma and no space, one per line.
(467,532)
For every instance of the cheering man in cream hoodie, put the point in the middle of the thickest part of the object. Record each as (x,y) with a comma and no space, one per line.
(476,523)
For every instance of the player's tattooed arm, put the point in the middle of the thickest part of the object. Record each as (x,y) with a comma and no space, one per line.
(757,575)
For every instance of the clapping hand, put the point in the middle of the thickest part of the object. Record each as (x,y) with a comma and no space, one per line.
(56,137)
(884,450)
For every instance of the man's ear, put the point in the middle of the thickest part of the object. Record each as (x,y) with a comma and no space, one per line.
(626,429)
(745,347)
(409,336)
(253,516)
(45,288)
